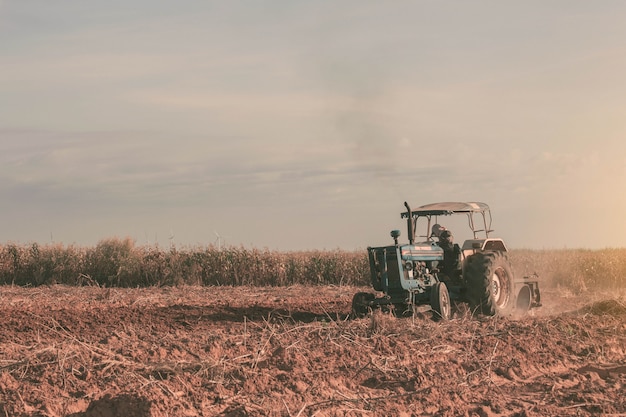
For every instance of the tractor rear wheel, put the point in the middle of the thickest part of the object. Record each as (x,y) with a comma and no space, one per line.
(440,301)
(361,304)
(490,283)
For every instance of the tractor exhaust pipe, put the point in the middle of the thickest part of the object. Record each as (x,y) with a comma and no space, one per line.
(409,224)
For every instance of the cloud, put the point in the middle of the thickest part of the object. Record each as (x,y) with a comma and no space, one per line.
(249,114)
(142,168)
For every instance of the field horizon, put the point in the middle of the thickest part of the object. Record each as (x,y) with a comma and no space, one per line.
(120,329)
(120,262)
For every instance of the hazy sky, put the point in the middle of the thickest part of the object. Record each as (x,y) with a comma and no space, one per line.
(307,124)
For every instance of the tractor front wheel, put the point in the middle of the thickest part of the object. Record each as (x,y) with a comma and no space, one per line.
(361,304)
(440,301)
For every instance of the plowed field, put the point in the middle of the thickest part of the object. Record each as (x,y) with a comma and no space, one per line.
(242,351)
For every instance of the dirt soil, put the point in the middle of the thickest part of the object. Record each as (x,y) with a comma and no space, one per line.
(224,351)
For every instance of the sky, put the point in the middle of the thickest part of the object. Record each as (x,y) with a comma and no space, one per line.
(306,125)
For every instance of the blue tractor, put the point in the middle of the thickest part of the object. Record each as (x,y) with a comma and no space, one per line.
(437,272)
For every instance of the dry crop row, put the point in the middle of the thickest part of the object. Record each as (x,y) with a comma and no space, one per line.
(121,263)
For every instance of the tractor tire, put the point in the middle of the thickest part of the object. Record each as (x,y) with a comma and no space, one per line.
(440,301)
(490,283)
(361,304)
(400,309)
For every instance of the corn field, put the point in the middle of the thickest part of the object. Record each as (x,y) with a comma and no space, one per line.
(118,262)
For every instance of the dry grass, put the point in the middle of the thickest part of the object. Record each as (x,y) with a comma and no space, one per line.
(120,263)
(574,269)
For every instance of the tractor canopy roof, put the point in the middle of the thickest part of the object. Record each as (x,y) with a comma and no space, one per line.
(447,208)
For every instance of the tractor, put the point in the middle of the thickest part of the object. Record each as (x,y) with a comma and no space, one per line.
(437,272)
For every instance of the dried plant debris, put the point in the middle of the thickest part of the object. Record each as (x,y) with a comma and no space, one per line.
(295,351)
